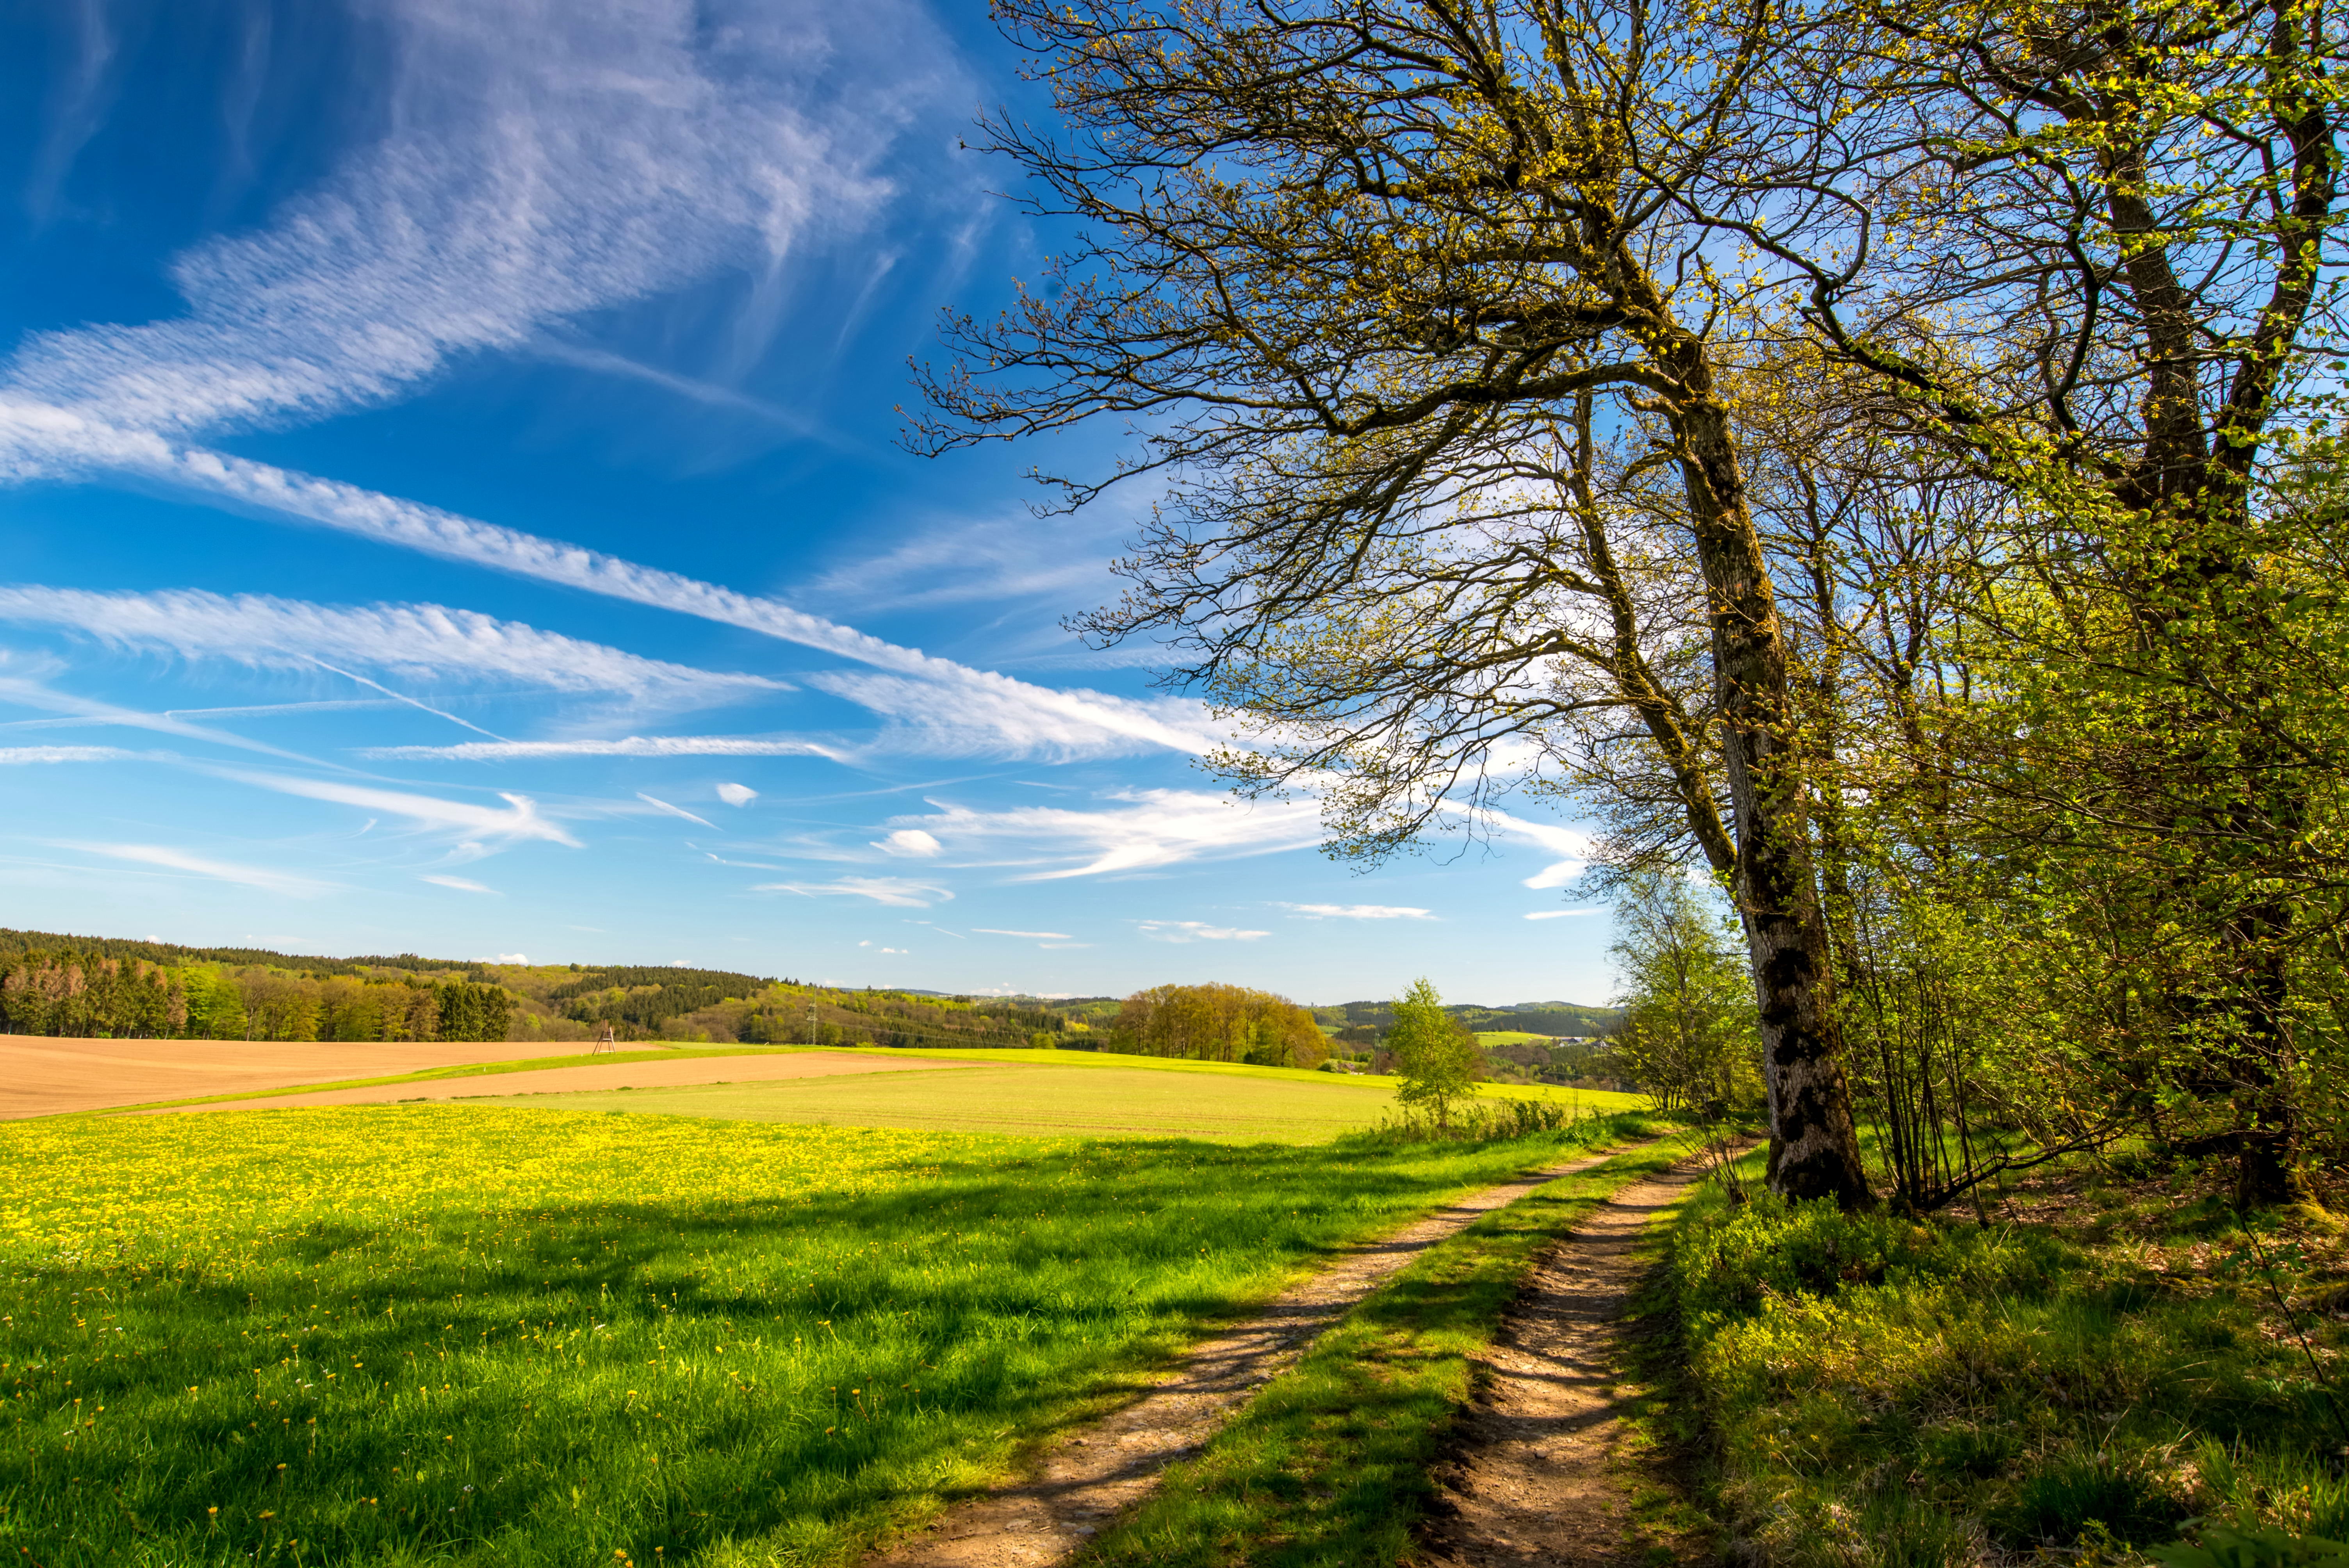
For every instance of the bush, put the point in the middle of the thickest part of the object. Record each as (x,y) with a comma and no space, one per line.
(1489,1120)
(1886,1392)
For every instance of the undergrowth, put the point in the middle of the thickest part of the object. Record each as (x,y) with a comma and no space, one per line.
(2108,1360)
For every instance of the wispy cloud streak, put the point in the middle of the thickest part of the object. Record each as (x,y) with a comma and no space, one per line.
(1154,827)
(1358,911)
(546,158)
(898,892)
(667,809)
(1194,931)
(625,745)
(18,756)
(519,820)
(191,864)
(412,640)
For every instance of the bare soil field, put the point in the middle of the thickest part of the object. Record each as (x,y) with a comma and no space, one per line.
(684,1072)
(43,1075)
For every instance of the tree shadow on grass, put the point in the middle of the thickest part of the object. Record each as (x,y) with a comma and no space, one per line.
(545,1382)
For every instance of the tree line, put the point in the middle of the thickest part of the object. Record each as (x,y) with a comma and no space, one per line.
(1217,1023)
(1879,455)
(16,943)
(72,993)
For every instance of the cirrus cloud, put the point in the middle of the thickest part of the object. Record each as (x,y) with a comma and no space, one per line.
(411,640)
(898,892)
(188,864)
(1358,911)
(1193,931)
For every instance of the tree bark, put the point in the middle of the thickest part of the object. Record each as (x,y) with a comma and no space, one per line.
(1814,1149)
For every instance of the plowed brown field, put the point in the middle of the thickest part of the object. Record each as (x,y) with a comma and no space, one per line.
(44,1076)
(685,1071)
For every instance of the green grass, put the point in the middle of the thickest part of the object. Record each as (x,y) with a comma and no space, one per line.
(1019,1099)
(1327,1466)
(432,1333)
(1509,1037)
(1884,1391)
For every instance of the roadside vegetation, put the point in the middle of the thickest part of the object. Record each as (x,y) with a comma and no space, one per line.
(2105,1355)
(412,1334)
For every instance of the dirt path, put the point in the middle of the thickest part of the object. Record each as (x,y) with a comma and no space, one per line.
(1111,1465)
(1534,1482)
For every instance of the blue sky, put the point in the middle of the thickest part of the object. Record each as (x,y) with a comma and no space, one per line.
(450,502)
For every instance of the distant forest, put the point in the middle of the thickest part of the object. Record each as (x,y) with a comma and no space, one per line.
(116,987)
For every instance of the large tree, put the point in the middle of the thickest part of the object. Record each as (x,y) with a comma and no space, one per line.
(1427,315)
(2091,251)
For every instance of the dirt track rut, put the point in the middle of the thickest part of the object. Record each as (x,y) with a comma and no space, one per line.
(1536,1483)
(1096,1472)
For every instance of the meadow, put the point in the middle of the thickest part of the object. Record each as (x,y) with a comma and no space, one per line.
(475,1334)
(1049,1091)
(1016,1098)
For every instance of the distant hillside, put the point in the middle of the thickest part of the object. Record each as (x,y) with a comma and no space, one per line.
(1555,1019)
(53,983)
(17,943)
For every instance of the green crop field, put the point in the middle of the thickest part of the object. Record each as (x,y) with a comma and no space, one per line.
(1025,1098)
(1509,1037)
(478,1335)
(1068,1060)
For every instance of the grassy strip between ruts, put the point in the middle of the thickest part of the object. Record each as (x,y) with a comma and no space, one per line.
(2096,1359)
(1595,1102)
(1329,1465)
(401,1335)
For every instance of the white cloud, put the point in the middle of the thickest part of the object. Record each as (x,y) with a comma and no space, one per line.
(933,704)
(1039,936)
(518,821)
(1194,931)
(953,710)
(505,958)
(1356,911)
(884,949)
(1155,828)
(205,866)
(1561,914)
(626,746)
(17,755)
(79,711)
(898,892)
(1571,842)
(542,161)
(737,794)
(1013,555)
(663,806)
(463,885)
(409,640)
(908,842)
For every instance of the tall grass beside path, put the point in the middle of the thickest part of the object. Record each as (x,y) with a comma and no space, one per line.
(411,1333)
(2082,1377)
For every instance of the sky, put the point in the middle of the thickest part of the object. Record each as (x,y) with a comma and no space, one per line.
(451,501)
